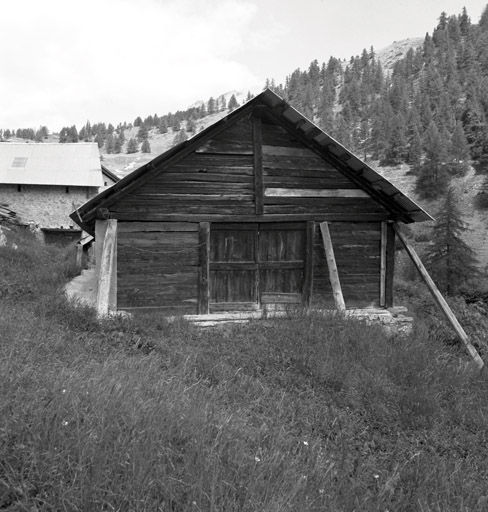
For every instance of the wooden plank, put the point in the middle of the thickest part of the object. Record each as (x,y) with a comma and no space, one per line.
(216,307)
(309,264)
(136,227)
(299,183)
(383,264)
(190,176)
(107,276)
(202,161)
(177,198)
(331,262)
(233,147)
(277,206)
(304,163)
(390,265)
(238,131)
(196,187)
(258,164)
(233,265)
(79,256)
(288,151)
(204,269)
(144,215)
(322,174)
(439,299)
(281,298)
(302,192)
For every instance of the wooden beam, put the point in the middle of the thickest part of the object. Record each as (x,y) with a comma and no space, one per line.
(304,192)
(204,269)
(274,217)
(383,264)
(258,164)
(106,277)
(331,263)
(79,256)
(390,264)
(309,264)
(436,294)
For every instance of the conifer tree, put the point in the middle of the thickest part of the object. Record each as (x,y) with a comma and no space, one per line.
(450,260)
(146,147)
(211,107)
(99,140)
(110,144)
(132,146)
(180,137)
(163,125)
(459,150)
(432,179)
(233,104)
(191,125)
(118,145)
(143,133)
(415,151)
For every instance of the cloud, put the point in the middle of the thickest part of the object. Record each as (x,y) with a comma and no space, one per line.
(111,60)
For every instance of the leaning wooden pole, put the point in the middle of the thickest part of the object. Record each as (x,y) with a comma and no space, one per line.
(451,318)
(331,263)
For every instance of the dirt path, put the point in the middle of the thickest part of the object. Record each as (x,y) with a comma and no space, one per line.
(83,287)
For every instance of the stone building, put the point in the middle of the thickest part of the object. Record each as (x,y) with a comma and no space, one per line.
(44,182)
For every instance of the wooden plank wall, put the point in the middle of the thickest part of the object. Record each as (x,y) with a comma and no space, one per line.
(357,248)
(218,178)
(297,180)
(158,266)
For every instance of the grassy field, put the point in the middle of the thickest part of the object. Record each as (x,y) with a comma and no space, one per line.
(306,414)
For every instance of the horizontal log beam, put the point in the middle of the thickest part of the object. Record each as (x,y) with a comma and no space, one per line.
(298,192)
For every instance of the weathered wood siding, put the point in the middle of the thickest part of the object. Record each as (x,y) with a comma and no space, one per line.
(254,180)
(297,180)
(157,266)
(357,249)
(216,179)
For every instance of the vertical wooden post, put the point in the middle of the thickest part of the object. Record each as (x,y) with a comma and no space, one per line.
(106,277)
(441,302)
(383,265)
(390,264)
(204,269)
(258,164)
(79,256)
(309,263)
(331,263)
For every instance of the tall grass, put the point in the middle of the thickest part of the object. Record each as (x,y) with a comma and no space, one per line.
(310,413)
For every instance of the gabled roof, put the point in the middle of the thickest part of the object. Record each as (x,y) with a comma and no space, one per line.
(402,207)
(75,164)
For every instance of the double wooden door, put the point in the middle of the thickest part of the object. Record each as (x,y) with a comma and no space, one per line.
(257,263)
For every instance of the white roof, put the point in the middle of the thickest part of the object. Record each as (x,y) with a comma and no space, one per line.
(72,164)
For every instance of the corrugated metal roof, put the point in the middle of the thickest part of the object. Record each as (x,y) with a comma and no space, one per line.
(76,164)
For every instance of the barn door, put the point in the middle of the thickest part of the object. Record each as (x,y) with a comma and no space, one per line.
(281,255)
(254,264)
(233,267)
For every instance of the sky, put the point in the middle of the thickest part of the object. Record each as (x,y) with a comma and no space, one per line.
(63,63)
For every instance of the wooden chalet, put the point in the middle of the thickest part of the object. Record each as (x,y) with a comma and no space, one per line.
(262,209)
